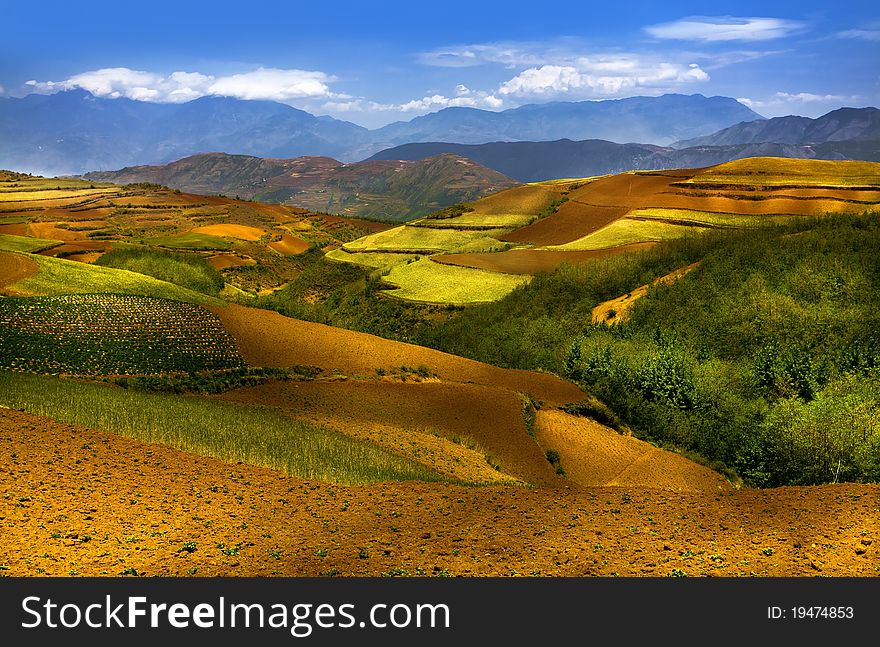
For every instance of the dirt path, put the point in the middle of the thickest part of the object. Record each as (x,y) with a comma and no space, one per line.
(616,310)
(80,502)
(14,268)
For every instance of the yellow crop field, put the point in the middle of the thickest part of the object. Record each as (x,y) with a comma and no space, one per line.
(376,260)
(689,216)
(774,171)
(626,231)
(15,195)
(430,282)
(477,219)
(409,238)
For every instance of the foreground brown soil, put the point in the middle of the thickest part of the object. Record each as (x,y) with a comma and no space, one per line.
(80,502)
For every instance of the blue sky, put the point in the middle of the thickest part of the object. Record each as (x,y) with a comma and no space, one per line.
(377,62)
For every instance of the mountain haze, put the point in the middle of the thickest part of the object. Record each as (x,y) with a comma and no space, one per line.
(73,132)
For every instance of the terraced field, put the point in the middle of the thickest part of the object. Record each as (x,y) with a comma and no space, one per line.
(546,224)
(81,220)
(101,334)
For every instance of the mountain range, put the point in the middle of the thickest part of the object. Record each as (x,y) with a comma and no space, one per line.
(387,190)
(847,133)
(74,132)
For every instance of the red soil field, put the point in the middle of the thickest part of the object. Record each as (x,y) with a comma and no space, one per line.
(290,245)
(267,338)
(85,503)
(573,220)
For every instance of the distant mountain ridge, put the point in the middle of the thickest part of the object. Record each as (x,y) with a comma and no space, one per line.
(74,132)
(845,124)
(535,161)
(386,190)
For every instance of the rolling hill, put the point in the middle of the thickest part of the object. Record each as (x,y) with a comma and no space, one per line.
(387,190)
(537,161)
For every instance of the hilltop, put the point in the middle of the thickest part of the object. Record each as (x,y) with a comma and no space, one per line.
(390,191)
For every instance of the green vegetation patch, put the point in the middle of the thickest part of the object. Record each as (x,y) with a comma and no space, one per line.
(13,220)
(191,241)
(185,270)
(374,260)
(101,334)
(10,243)
(226,431)
(429,282)
(59,276)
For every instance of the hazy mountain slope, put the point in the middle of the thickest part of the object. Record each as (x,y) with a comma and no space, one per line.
(535,161)
(655,120)
(844,124)
(390,190)
(74,132)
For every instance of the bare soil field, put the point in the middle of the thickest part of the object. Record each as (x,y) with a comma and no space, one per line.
(14,268)
(243,232)
(531,261)
(224,261)
(490,417)
(594,455)
(269,339)
(573,220)
(80,502)
(289,245)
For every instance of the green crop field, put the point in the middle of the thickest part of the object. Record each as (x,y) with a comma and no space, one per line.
(226,431)
(13,220)
(430,282)
(59,276)
(101,334)
(10,243)
(626,231)
(190,241)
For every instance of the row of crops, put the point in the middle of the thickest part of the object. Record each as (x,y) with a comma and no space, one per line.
(112,334)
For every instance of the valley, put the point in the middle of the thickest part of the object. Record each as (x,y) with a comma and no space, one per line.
(610,375)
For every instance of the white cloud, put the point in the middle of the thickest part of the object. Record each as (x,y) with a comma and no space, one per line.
(510,54)
(725,28)
(468,99)
(178,87)
(596,76)
(860,34)
(800,103)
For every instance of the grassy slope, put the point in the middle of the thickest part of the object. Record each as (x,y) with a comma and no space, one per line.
(232,433)
(59,276)
(10,243)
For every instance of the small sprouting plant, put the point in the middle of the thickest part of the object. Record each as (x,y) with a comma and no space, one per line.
(188,546)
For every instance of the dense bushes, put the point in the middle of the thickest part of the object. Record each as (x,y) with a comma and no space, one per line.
(187,270)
